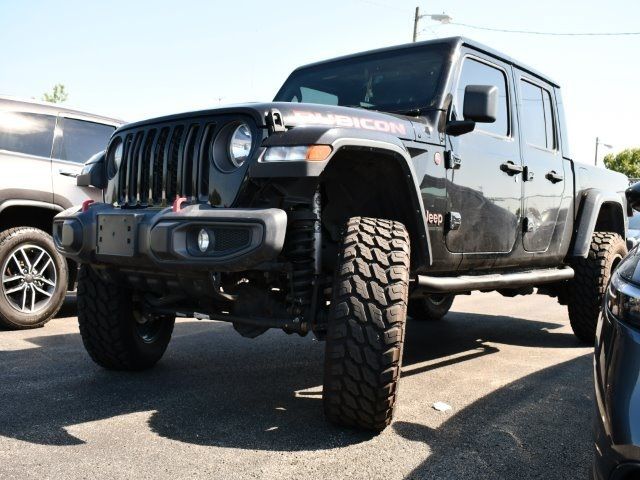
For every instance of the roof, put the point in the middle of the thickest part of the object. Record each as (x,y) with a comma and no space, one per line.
(55,108)
(455,43)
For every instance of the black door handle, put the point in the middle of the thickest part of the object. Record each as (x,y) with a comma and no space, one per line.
(554,177)
(511,168)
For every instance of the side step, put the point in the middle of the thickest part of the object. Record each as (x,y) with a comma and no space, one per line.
(467,283)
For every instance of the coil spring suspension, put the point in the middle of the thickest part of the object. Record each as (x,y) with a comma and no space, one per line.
(303,251)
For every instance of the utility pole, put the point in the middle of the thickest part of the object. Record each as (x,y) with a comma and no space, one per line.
(415,24)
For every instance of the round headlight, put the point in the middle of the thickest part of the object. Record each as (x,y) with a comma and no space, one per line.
(114,159)
(240,144)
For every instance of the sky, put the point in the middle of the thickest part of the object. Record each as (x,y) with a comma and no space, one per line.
(138,59)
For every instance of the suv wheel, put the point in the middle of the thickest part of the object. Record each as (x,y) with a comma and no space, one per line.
(431,307)
(588,287)
(114,333)
(365,332)
(33,278)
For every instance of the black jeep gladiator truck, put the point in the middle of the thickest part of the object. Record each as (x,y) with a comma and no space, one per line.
(373,185)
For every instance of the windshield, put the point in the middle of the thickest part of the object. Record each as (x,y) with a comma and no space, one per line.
(634,222)
(399,80)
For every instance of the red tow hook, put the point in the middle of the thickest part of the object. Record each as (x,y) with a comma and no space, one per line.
(86,203)
(177,203)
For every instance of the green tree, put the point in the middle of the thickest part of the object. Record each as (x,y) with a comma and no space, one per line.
(58,94)
(627,162)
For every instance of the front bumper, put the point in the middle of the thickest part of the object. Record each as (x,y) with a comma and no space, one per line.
(241,239)
(617,393)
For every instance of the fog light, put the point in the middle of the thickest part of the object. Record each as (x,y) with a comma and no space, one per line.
(203,240)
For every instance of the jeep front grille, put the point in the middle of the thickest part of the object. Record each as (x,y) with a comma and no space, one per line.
(181,158)
(162,162)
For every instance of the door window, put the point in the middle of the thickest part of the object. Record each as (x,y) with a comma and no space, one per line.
(475,72)
(82,139)
(538,125)
(28,133)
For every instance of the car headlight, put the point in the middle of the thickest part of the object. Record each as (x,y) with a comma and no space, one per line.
(240,144)
(623,300)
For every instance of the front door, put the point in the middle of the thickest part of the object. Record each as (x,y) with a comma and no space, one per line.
(544,180)
(486,190)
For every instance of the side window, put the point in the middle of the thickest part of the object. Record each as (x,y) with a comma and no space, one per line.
(82,139)
(538,124)
(479,73)
(28,133)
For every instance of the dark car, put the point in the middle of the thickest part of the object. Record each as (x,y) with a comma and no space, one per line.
(617,370)
(617,376)
(372,184)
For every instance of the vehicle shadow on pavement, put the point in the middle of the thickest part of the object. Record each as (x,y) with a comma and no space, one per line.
(507,434)
(214,387)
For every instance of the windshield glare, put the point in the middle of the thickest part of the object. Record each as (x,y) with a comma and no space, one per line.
(395,81)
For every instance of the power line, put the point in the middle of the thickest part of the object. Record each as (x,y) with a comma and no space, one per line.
(533,32)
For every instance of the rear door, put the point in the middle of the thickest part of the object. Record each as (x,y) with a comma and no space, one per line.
(485,191)
(544,177)
(76,141)
(25,154)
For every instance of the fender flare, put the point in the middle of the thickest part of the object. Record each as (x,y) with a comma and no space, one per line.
(29,203)
(341,139)
(592,201)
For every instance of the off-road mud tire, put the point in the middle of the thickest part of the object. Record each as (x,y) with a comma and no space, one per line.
(108,325)
(592,274)
(366,326)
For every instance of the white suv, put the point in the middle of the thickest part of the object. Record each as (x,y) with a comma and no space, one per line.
(42,150)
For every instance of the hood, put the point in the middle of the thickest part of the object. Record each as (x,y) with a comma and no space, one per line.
(302,114)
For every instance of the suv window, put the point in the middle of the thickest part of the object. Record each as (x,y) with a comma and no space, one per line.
(82,139)
(29,133)
(538,125)
(475,72)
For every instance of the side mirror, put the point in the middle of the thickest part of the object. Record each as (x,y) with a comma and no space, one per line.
(633,196)
(480,106)
(480,103)
(94,172)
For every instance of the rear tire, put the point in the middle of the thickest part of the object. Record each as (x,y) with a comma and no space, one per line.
(365,332)
(33,278)
(114,334)
(431,307)
(589,284)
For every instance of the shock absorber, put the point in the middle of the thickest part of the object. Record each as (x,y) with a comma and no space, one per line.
(303,247)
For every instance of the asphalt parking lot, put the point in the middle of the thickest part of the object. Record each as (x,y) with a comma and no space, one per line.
(222,406)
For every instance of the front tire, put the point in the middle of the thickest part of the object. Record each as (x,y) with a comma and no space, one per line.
(33,278)
(115,335)
(365,332)
(589,284)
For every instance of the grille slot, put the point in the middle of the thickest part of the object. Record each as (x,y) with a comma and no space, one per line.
(167,160)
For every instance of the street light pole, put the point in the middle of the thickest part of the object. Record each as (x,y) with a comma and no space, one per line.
(415,24)
(438,17)
(597,144)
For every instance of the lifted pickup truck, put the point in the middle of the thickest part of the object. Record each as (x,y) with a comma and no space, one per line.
(374,184)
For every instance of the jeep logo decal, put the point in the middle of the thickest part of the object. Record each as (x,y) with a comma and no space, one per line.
(433,218)
(347,121)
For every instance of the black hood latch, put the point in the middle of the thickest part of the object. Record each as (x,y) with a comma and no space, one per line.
(274,121)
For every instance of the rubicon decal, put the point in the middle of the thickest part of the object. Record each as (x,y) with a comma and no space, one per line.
(347,121)
(433,218)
